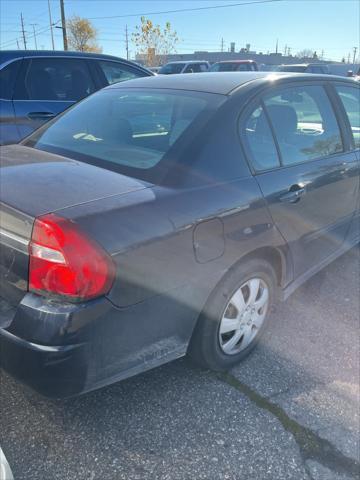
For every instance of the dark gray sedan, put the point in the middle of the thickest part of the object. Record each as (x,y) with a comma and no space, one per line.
(166,215)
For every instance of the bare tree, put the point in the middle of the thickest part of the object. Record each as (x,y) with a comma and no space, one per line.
(306,53)
(82,35)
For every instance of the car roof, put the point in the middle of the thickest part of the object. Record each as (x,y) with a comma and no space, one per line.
(303,64)
(187,61)
(222,83)
(237,61)
(6,55)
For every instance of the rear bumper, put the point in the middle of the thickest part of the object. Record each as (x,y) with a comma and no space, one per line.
(59,371)
(62,350)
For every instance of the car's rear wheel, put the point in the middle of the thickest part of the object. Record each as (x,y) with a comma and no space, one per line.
(235,316)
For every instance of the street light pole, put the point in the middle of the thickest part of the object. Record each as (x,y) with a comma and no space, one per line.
(63,24)
(354,57)
(33,25)
(127,42)
(23,31)
(51,26)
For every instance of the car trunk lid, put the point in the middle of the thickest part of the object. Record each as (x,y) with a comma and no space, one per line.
(33,183)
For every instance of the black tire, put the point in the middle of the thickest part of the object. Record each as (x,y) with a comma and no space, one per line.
(205,346)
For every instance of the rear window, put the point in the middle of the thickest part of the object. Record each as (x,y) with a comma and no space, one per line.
(128,129)
(171,68)
(231,67)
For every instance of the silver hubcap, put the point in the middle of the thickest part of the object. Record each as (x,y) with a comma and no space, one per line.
(243,316)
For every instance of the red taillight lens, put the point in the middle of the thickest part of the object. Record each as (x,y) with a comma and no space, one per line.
(64,261)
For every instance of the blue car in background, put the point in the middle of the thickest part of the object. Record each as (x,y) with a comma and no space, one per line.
(37,85)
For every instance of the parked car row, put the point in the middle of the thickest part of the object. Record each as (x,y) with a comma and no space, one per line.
(37,85)
(165,215)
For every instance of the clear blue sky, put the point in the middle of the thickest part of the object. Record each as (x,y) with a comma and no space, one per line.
(329,25)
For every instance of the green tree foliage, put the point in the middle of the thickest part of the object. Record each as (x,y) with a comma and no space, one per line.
(82,35)
(154,42)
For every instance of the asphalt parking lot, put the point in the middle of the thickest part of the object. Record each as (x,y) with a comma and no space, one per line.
(290,411)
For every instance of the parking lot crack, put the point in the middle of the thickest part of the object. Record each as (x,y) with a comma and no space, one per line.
(311,445)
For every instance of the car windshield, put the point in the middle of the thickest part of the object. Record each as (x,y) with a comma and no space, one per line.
(126,130)
(291,68)
(170,68)
(230,67)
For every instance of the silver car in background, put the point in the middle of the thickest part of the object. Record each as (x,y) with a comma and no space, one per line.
(5,471)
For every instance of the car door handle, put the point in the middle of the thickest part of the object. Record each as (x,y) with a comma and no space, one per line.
(293,195)
(41,115)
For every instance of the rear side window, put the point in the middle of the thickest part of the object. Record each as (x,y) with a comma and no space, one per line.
(204,67)
(304,124)
(350,97)
(7,79)
(117,72)
(56,79)
(260,142)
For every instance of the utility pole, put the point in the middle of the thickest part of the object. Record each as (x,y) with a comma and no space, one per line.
(17,43)
(277,45)
(63,24)
(222,44)
(348,58)
(354,57)
(285,50)
(127,42)
(23,31)
(33,25)
(51,27)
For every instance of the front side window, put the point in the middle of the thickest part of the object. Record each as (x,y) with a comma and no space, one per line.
(304,124)
(350,97)
(259,140)
(122,128)
(116,72)
(59,79)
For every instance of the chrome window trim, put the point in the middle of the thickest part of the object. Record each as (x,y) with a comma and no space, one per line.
(14,241)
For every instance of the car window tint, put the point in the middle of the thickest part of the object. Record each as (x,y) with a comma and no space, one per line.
(131,128)
(61,79)
(260,141)
(350,97)
(243,67)
(116,72)
(304,124)
(193,68)
(7,79)
(203,67)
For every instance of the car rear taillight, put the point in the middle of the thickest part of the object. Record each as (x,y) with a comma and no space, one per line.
(65,262)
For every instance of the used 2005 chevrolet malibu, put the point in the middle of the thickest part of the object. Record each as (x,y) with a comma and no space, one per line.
(165,215)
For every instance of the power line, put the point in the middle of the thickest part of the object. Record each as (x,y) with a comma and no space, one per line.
(14,41)
(212,7)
